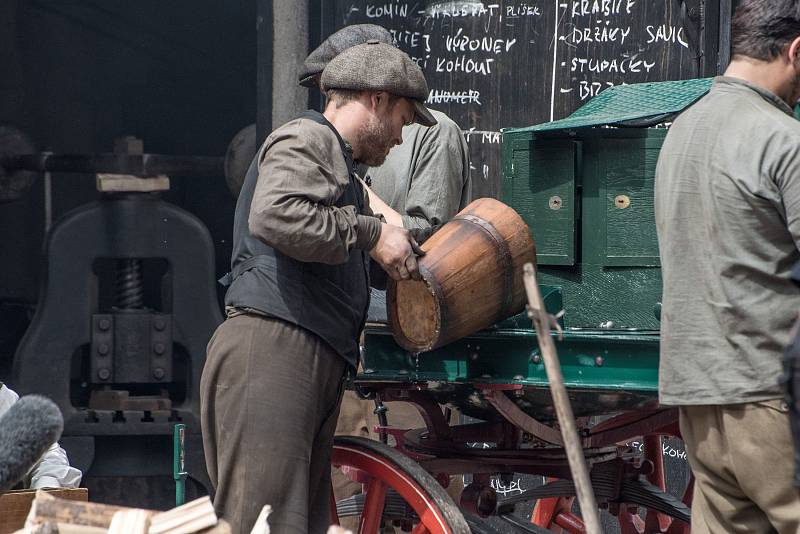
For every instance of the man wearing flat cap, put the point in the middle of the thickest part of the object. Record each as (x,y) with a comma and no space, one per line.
(425,182)
(298,292)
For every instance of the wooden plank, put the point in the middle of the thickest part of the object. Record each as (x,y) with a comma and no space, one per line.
(130,522)
(15,505)
(191,517)
(89,514)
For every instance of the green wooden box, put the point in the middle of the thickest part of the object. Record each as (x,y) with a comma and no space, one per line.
(587,196)
(586,191)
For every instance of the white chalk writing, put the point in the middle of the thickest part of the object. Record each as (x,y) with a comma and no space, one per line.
(461,42)
(465,64)
(523,10)
(605,8)
(390,10)
(461,9)
(438,96)
(587,89)
(599,33)
(666,34)
(483,136)
(412,39)
(514,487)
(623,65)
(666,449)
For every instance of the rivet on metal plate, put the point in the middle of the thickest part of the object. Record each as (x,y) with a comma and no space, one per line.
(555,202)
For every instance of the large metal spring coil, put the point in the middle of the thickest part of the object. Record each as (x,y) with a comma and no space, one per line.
(129,285)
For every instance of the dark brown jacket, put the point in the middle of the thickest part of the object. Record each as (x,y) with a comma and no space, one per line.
(302,233)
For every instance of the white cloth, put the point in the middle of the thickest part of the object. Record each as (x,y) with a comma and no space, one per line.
(53,469)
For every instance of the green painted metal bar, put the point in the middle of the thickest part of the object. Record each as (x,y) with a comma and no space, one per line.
(179,463)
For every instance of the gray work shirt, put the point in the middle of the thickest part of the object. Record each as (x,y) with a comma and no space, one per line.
(427,178)
(728,220)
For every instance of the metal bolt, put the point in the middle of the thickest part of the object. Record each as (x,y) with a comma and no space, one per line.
(159,324)
(369,371)
(519,377)
(598,361)
(555,202)
(607,324)
(159,348)
(158,373)
(473,356)
(102,349)
(103,324)
(622,201)
(103,374)
(536,358)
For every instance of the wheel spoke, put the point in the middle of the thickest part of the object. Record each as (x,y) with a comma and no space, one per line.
(372,516)
(570,522)
(334,514)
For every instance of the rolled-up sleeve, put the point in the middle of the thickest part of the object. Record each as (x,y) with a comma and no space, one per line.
(299,181)
(53,470)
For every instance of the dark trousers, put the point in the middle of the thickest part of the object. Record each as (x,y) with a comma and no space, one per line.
(270,395)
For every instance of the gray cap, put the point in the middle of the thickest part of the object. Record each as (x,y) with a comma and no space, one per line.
(376,66)
(336,44)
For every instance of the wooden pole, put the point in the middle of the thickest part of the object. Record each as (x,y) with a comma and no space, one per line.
(569,430)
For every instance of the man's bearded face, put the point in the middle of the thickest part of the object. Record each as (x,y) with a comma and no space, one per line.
(375,139)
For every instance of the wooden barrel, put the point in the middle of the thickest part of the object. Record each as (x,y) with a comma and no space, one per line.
(472,278)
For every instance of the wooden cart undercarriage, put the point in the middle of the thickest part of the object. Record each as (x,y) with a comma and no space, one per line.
(405,484)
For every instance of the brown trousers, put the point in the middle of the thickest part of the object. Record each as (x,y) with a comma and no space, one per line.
(270,395)
(743,462)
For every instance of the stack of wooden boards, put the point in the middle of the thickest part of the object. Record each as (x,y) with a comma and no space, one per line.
(51,515)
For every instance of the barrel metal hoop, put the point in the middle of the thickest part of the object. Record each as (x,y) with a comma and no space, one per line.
(504,256)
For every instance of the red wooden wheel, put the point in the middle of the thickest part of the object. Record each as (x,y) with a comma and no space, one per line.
(385,469)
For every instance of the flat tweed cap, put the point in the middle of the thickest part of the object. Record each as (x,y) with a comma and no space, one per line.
(337,43)
(377,66)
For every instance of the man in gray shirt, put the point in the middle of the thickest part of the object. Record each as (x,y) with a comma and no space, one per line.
(728,220)
(426,180)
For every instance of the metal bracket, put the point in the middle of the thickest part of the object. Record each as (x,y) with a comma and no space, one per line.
(516,416)
(131,348)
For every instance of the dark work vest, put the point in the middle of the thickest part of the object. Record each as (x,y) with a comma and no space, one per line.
(329,300)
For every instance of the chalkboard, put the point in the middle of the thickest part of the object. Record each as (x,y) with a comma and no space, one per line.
(510,63)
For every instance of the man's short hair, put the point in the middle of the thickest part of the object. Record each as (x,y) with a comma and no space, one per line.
(761,29)
(340,97)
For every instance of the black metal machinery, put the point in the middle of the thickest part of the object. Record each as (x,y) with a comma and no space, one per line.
(126,306)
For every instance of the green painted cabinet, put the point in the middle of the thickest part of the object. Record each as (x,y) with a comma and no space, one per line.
(587,196)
